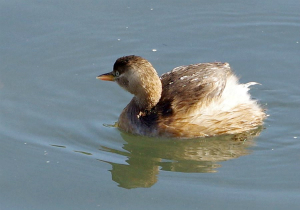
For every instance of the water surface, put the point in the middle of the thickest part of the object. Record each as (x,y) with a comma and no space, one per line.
(57,148)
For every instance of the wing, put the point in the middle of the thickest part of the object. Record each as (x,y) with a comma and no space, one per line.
(188,86)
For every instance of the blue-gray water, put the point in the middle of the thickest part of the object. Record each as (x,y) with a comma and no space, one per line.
(57,148)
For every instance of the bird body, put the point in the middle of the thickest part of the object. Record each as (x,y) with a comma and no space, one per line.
(203,99)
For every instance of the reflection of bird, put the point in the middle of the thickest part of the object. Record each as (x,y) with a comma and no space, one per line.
(145,157)
(190,101)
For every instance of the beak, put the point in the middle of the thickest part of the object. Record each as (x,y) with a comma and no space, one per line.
(107,77)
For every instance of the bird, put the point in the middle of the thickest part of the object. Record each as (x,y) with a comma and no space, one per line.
(191,101)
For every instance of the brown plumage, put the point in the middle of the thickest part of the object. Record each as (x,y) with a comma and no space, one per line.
(202,99)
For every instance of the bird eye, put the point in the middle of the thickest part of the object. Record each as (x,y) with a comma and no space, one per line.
(117,73)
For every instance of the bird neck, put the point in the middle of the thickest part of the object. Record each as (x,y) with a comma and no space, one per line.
(149,94)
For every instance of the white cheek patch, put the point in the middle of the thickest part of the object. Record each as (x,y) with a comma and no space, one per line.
(130,81)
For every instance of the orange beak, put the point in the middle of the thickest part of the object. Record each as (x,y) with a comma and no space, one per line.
(107,77)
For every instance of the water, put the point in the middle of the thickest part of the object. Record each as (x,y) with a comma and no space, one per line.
(58,148)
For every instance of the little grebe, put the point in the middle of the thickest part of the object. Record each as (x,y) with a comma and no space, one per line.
(203,99)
